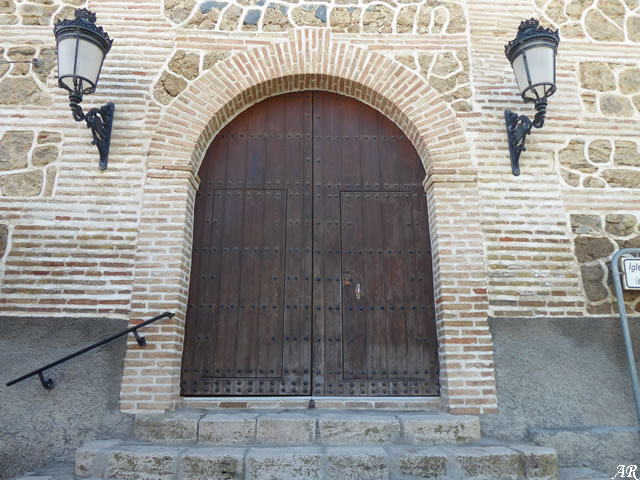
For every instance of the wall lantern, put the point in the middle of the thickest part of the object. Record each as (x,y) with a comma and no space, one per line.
(533,58)
(82,47)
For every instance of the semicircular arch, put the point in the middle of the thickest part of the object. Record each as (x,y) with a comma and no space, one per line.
(310,60)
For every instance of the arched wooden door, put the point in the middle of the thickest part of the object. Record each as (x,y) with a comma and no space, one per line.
(311,271)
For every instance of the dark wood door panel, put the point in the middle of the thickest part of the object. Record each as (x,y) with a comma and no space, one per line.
(248,329)
(371,232)
(311,265)
(239,309)
(385,317)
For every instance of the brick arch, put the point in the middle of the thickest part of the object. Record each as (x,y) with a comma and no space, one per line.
(311,59)
(185,130)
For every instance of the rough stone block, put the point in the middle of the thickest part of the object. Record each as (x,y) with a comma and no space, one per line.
(586,224)
(601,28)
(135,462)
(588,249)
(430,462)
(540,463)
(22,91)
(485,462)
(592,280)
(185,64)
(86,464)
(286,428)
(357,463)
(621,225)
(168,428)
(25,184)
(212,464)
(14,148)
(45,155)
(440,429)
(294,463)
(348,429)
(618,105)
(597,76)
(229,429)
(622,177)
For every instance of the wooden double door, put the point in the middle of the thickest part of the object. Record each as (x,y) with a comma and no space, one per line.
(311,267)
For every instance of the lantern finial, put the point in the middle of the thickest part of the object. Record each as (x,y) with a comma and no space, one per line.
(86,15)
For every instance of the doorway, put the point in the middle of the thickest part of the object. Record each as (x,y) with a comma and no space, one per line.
(311,265)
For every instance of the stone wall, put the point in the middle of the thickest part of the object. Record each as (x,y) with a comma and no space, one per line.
(600,163)
(596,20)
(27,157)
(79,242)
(596,239)
(37,12)
(447,71)
(341,16)
(610,88)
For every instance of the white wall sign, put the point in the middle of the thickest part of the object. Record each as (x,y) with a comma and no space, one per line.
(631,270)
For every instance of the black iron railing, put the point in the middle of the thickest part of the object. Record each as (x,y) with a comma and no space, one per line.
(49,384)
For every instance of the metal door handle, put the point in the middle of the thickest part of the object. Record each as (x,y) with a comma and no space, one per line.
(358,291)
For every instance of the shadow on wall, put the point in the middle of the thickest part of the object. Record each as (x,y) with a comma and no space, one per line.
(43,426)
(559,378)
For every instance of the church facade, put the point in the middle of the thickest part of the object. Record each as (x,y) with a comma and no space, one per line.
(322,194)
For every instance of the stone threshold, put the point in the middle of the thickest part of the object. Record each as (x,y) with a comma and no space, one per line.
(306,427)
(338,403)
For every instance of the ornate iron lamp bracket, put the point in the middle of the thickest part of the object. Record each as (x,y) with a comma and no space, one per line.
(100,121)
(518,127)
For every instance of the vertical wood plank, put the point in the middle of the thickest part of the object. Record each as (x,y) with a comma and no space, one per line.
(293,316)
(354,289)
(320,353)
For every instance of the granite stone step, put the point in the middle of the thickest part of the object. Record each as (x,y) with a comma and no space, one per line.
(476,461)
(311,427)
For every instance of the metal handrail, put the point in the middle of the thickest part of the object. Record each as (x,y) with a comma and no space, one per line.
(622,310)
(49,384)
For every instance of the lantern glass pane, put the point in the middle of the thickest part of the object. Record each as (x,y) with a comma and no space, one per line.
(520,73)
(68,81)
(66,57)
(89,60)
(541,62)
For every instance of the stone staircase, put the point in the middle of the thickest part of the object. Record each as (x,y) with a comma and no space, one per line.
(311,444)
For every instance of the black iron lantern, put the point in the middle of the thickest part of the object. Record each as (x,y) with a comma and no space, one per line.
(82,47)
(533,58)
